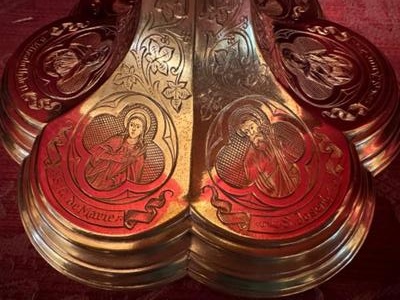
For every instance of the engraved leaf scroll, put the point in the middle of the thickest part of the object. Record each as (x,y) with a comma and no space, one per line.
(157,60)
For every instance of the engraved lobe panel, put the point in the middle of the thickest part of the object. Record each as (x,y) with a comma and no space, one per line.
(333,70)
(110,172)
(72,63)
(118,171)
(59,65)
(268,170)
(158,61)
(226,56)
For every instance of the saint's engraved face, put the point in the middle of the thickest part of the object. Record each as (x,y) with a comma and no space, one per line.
(298,61)
(60,63)
(251,129)
(135,128)
(63,62)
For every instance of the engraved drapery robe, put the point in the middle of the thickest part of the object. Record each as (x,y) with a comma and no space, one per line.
(115,162)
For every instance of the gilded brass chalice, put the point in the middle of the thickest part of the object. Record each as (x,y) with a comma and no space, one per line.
(232,141)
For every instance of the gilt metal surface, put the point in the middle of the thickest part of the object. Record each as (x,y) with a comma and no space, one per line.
(59,66)
(113,171)
(234,143)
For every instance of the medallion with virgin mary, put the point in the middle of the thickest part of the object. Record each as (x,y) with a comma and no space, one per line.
(117,161)
(269,169)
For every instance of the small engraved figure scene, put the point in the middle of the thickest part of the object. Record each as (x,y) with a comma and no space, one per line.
(318,70)
(261,154)
(320,66)
(72,65)
(130,155)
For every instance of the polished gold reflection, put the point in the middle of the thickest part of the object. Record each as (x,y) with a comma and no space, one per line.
(195,158)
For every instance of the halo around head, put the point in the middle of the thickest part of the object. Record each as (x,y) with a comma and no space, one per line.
(140,114)
(243,114)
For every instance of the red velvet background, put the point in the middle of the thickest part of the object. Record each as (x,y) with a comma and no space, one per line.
(373,274)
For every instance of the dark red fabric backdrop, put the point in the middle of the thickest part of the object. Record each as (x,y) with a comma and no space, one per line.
(373,274)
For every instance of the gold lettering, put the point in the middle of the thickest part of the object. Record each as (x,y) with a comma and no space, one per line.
(23,67)
(314,212)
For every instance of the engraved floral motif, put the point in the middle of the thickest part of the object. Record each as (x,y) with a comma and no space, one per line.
(172,10)
(341,36)
(351,114)
(67,27)
(220,11)
(127,77)
(37,103)
(211,102)
(229,60)
(157,59)
(176,92)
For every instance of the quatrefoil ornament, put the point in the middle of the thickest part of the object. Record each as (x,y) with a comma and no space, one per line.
(231,141)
